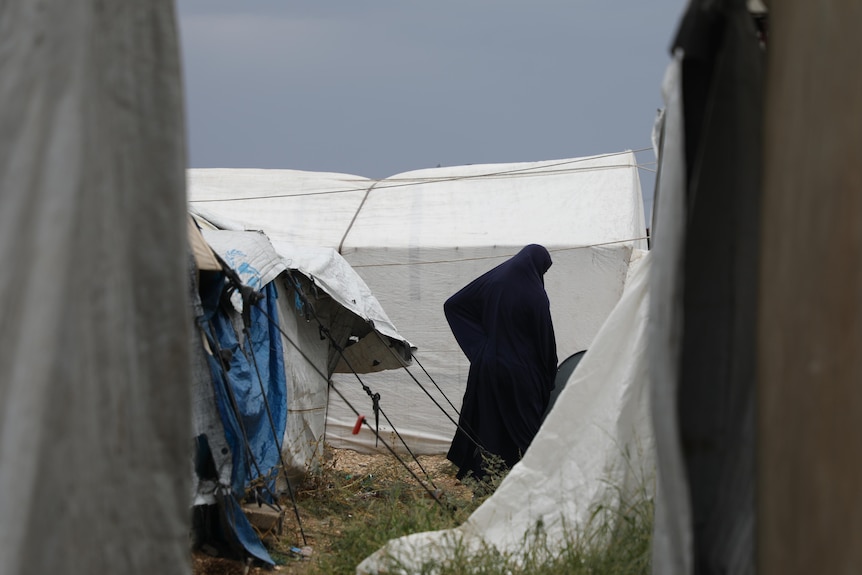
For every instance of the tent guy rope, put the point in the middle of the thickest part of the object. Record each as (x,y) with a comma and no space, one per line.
(431,492)
(500,256)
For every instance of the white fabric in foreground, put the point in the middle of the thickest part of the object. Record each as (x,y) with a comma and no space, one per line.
(672,533)
(595,445)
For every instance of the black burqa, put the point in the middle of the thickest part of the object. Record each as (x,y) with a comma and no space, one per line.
(502,321)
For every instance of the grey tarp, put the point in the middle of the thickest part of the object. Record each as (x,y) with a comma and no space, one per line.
(94,366)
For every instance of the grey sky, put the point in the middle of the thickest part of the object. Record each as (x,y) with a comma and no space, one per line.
(378,87)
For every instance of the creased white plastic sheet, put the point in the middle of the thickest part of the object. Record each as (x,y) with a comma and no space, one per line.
(567,202)
(258,261)
(672,532)
(331,272)
(573,201)
(595,445)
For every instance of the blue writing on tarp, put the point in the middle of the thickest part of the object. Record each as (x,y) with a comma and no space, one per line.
(237,259)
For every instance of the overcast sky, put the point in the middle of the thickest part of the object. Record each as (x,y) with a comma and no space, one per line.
(378,87)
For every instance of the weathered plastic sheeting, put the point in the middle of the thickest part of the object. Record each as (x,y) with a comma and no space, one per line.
(210,220)
(317,289)
(380,346)
(94,346)
(208,430)
(569,202)
(672,533)
(594,448)
(263,260)
(417,238)
(306,357)
(306,208)
(247,377)
(250,255)
(433,208)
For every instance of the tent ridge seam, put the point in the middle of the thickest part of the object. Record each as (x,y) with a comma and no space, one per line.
(356,215)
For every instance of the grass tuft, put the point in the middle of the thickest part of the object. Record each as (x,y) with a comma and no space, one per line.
(348,516)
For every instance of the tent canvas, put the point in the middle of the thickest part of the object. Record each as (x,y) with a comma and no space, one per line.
(595,449)
(314,289)
(262,367)
(418,237)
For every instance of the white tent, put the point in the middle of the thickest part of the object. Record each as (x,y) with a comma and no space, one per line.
(315,289)
(416,238)
(595,448)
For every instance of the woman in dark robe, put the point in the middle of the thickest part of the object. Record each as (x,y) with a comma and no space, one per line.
(502,321)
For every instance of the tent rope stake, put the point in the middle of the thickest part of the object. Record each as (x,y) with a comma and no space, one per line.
(389,448)
(375,403)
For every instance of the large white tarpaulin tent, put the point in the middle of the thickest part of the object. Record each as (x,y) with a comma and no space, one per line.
(418,237)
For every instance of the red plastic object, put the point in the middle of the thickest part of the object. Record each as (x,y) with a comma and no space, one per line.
(358,425)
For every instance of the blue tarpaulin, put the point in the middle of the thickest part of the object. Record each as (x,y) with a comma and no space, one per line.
(251,395)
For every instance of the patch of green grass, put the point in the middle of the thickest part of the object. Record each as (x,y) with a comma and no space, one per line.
(360,513)
(618,542)
(495,471)
(384,518)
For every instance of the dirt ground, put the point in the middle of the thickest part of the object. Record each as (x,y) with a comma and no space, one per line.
(322,532)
